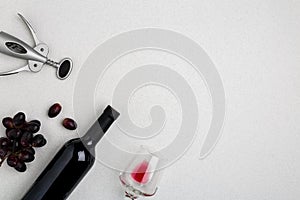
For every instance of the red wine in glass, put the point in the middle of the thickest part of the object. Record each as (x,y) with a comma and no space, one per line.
(141,176)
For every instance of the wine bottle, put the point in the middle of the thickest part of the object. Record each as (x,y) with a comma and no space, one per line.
(71,163)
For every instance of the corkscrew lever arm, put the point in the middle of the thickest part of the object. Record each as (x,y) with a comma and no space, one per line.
(32,31)
(16,71)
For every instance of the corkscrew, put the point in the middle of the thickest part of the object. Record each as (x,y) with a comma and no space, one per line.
(36,56)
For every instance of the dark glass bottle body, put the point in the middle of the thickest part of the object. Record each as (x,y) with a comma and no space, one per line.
(71,163)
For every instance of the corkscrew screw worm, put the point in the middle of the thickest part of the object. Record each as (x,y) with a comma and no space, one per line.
(156,39)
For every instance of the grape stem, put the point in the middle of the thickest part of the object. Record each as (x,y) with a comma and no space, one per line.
(3,159)
(14,146)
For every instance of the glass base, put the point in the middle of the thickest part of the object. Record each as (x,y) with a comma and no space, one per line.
(130,196)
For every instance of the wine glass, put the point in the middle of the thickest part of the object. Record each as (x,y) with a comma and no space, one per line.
(141,176)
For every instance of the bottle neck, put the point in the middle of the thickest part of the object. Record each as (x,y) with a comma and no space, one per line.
(99,128)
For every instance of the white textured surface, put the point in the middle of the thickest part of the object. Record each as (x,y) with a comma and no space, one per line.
(255,45)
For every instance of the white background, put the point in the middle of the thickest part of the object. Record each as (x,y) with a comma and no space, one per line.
(255,46)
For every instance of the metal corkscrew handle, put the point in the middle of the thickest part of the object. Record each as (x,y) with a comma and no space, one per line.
(15,47)
(64,68)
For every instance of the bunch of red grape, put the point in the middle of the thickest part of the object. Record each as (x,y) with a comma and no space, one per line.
(17,147)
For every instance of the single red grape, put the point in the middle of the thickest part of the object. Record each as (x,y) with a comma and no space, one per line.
(26,139)
(25,156)
(20,167)
(54,110)
(13,133)
(19,119)
(69,124)
(32,127)
(8,122)
(12,160)
(38,141)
